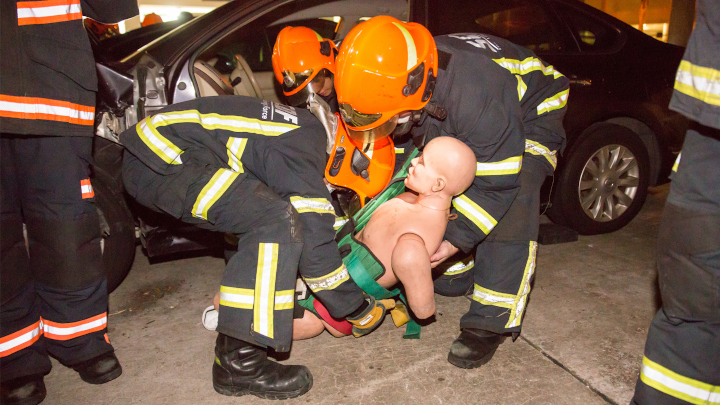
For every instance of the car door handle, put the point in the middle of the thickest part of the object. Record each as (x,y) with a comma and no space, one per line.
(579,81)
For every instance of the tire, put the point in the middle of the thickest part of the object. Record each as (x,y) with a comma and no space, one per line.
(603,182)
(117,227)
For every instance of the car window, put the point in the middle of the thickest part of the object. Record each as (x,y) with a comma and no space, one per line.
(523,22)
(592,35)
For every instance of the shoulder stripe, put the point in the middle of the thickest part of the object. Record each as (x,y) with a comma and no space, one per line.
(527,65)
(226,122)
(162,147)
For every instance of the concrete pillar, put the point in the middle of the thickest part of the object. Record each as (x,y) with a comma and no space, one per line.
(682,17)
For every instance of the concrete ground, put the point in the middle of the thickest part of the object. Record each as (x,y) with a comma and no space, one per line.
(582,341)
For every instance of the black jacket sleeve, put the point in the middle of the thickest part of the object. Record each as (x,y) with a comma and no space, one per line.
(109,11)
(491,124)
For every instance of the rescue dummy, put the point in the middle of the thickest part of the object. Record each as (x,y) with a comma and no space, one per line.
(405,231)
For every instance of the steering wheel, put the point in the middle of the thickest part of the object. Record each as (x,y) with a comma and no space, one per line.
(243,71)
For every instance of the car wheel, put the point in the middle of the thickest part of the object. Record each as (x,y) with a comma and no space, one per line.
(603,182)
(117,229)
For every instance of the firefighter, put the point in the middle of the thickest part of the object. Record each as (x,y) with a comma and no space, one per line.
(304,64)
(53,287)
(682,353)
(503,102)
(252,168)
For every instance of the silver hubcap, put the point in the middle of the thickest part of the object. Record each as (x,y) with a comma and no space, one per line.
(608,183)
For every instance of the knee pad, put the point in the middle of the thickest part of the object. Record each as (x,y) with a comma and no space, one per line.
(281,226)
(65,254)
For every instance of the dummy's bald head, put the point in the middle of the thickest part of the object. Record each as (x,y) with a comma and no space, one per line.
(453,160)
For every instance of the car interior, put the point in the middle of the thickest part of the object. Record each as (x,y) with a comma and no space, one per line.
(239,62)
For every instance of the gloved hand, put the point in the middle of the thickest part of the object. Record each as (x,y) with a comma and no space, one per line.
(371,317)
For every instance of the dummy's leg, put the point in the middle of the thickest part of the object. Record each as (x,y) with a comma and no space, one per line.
(682,352)
(503,272)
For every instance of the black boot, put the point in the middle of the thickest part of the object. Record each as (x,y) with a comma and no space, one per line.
(99,369)
(28,390)
(241,368)
(474,347)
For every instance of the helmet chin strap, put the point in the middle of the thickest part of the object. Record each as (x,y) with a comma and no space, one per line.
(435,110)
(321,110)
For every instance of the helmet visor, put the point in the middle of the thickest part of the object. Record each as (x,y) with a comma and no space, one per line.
(373,134)
(355,118)
(292,81)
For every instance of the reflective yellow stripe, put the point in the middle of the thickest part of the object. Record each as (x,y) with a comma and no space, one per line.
(235,149)
(474,213)
(521,87)
(508,166)
(526,66)
(213,190)
(677,162)
(236,297)
(702,83)
(284,299)
(536,148)
(521,298)
(243,298)
(317,205)
(412,59)
(340,222)
(265,289)
(678,386)
(160,145)
(555,102)
(494,298)
(460,267)
(227,122)
(328,282)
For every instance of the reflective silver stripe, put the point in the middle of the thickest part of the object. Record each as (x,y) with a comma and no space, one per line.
(537,149)
(474,213)
(263,322)
(521,298)
(162,147)
(460,267)
(227,122)
(521,87)
(677,162)
(340,222)
(284,299)
(678,386)
(526,66)
(317,205)
(555,102)
(328,282)
(508,166)
(237,297)
(494,298)
(235,149)
(212,191)
(20,339)
(702,83)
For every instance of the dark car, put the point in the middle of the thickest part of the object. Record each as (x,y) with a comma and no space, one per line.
(621,135)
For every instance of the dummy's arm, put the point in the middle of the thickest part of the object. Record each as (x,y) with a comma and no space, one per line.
(411,264)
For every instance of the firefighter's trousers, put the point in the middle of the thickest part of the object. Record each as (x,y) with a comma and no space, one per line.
(504,264)
(54,292)
(258,287)
(682,352)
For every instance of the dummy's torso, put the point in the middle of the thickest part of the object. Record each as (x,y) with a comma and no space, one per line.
(395,218)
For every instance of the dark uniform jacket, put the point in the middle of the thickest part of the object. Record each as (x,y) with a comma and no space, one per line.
(282,146)
(501,101)
(697,96)
(47,68)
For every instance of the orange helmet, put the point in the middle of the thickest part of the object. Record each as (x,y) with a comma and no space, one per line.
(301,56)
(385,68)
